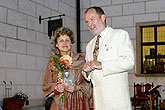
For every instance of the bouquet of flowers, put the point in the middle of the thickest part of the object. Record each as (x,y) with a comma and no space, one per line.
(62,64)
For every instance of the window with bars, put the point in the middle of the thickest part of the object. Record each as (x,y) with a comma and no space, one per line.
(153,49)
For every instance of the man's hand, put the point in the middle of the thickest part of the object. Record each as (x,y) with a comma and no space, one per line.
(89,66)
(95,65)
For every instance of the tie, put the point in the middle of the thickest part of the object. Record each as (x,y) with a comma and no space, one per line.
(96,49)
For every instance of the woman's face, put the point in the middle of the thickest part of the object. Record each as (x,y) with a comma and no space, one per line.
(64,43)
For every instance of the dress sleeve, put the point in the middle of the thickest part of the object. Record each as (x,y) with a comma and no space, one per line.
(86,88)
(84,84)
(48,83)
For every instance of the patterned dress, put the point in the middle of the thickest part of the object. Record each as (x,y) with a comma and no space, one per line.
(79,99)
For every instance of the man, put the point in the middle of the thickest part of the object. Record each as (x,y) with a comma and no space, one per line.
(107,67)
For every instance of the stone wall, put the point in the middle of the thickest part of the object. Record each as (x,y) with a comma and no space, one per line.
(24,43)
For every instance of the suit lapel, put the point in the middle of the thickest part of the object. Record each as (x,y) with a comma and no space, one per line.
(107,40)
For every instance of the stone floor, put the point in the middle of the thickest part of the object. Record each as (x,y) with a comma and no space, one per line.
(37,108)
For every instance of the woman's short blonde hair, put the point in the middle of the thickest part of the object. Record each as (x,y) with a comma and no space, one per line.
(63,31)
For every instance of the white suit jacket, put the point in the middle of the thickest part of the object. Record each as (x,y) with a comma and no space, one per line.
(111,88)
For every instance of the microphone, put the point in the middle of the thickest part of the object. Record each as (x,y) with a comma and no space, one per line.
(55,92)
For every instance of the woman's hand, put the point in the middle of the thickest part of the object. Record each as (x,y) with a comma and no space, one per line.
(60,87)
(72,88)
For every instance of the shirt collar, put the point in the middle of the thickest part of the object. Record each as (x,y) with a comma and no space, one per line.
(103,33)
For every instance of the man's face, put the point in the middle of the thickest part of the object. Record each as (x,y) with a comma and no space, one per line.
(95,23)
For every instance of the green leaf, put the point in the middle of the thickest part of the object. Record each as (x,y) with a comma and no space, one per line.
(57,66)
(62,75)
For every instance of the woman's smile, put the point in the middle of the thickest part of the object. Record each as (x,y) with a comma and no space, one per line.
(64,43)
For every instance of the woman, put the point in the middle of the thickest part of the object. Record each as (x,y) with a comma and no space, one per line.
(77,94)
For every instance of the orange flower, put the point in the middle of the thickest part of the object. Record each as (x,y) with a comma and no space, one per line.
(59,75)
(52,64)
(61,81)
(67,58)
(61,63)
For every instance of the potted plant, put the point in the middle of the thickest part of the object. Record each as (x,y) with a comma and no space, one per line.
(154,69)
(23,97)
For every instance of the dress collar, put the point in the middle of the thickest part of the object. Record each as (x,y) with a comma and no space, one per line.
(74,56)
